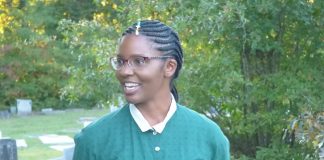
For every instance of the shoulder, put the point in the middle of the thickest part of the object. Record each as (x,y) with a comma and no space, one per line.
(209,131)
(200,122)
(104,125)
(195,117)
(98,133)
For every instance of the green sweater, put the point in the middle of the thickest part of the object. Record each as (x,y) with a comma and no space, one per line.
(188,135)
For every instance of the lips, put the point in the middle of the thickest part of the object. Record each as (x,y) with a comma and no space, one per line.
(131,88)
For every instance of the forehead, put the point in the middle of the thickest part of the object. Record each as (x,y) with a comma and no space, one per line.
(133,45)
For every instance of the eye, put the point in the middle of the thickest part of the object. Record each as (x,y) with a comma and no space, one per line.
(119,61)
(139,61)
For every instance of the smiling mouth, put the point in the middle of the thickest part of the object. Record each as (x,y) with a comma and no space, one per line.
(130,87)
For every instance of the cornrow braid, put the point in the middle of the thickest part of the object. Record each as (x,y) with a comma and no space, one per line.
(165,40)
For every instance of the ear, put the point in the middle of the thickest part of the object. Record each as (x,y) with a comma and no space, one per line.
(170,67)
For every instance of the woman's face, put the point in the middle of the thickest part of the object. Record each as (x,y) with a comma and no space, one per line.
(145,83)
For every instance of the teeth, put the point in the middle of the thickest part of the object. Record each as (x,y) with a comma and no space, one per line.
(131,84)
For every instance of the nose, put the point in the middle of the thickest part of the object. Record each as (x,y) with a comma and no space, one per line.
(125,70)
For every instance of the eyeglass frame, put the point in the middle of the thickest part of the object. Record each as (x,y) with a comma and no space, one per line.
(130,63)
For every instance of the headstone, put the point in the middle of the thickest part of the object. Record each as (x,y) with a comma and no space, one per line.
(21,143)
(24,106)
(62,147)
(120,102)
(47,110)
(4,114)
(113,108)
(13,109)
(8,149)
(55,139)
(68,153)
(87,120)
(86,123)
(321,151)
(67,150)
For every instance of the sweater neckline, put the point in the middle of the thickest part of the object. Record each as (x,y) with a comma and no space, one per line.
(143,124)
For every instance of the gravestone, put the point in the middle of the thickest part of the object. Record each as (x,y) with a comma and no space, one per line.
(21,143)
(47,111)
(56,139)
(68,153)
(24,106)
(113,108)
(87,120)
(321,152)
(4,114)
(13,109)
(8,149)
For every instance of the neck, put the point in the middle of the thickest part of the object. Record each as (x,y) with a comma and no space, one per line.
(155,110)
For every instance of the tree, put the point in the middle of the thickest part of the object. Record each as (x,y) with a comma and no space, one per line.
(243,59)
(250,66)
(32,59)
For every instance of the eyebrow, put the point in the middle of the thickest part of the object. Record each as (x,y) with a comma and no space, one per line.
(136,55)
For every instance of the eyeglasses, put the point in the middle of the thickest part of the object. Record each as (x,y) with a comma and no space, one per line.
(135,62)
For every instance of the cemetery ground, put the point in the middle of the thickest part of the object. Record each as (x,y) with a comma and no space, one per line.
(30,127)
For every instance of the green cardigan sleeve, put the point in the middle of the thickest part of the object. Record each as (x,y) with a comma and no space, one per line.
(219,142)
(81,150)
(222,150)
(222,146)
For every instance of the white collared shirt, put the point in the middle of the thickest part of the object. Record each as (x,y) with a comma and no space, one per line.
(144,125)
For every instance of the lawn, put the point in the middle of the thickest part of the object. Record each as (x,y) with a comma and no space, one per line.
(30,127)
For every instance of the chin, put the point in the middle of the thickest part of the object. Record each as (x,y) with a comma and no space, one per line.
(133,100)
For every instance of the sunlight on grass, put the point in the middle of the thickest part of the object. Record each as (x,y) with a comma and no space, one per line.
(30,127)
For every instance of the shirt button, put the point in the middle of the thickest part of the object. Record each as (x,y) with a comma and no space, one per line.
(157,148)
(154,133)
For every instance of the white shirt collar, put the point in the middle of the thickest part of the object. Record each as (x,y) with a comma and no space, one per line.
(142,122)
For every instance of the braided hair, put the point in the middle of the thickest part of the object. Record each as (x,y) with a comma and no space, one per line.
(165,39)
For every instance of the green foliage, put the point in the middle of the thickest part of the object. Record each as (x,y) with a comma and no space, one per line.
(247,62)
(306,130)
(91,46)
(32,60)
(31,73)
(257,63)
(284,152)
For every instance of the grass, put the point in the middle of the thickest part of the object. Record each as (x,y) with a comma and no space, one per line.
(30,127)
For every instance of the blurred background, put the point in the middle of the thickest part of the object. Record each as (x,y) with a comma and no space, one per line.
(255,67)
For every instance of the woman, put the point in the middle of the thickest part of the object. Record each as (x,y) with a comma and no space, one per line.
(152,125)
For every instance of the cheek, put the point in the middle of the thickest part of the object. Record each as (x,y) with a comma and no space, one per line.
(152,77)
